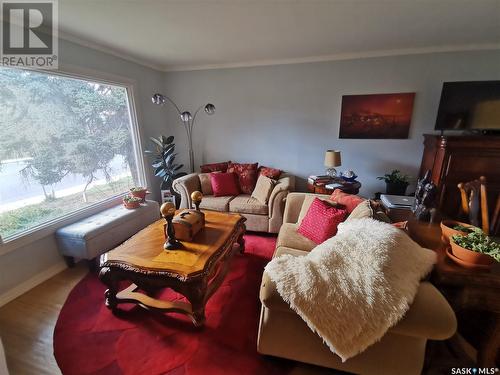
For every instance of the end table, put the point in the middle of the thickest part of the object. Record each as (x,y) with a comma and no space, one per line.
(346,186)
(465,290)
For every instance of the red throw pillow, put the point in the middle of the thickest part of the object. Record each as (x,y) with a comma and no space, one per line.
(349,201)
(247,175)
(224,184)
(321,221)
(215,167)
(269,172)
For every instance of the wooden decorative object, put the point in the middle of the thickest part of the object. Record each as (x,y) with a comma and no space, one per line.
(196,197)
(168,211)
(425,198)
(474,199)
(195,272)
(456,158)
(188,223)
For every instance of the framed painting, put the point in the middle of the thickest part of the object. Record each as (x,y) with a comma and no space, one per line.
(376,116)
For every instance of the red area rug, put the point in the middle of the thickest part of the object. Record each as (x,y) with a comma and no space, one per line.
(89,339)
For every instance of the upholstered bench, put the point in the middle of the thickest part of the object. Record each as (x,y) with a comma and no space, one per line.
(90,237)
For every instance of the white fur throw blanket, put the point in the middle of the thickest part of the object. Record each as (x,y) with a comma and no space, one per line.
(353,287)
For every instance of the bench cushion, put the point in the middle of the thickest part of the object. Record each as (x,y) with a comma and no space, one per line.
(102,232)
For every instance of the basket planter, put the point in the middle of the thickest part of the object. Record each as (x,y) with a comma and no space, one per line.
(469,256)
(139,194)
(447,229)
(131,205)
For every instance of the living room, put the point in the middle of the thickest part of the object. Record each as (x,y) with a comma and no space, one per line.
(265,82)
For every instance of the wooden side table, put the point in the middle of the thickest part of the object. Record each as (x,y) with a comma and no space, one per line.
(347,187)
(465,289)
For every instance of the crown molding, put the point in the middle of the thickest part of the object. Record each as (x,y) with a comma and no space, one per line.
(108,50)
(338,56)
(299,60)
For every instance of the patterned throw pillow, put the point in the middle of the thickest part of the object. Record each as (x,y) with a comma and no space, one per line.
(224,184)
(215,167)
(308,199)
(263,189)
(269,172)
(247,175)
(321,221)
(349,201)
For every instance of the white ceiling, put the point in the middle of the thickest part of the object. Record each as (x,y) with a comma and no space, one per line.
(199,34)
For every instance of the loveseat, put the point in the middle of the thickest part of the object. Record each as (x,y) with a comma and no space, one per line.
(282,333)
(260,217)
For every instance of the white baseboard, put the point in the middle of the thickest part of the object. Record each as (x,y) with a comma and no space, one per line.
(32,282)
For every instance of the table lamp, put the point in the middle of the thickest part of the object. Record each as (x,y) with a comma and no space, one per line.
(332,160)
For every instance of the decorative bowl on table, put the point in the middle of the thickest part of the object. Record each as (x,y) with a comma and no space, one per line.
(349,176)
(469,256)
(448,229)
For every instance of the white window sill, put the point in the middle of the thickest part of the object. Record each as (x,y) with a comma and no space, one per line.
(48,229)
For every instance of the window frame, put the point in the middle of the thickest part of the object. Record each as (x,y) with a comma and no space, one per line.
(49,228)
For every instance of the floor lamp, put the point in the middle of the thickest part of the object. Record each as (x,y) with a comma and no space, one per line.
(187,120)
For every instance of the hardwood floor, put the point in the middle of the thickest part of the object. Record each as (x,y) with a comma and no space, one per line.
(27,324)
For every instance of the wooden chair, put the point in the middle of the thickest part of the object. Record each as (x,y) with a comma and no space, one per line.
(474,199)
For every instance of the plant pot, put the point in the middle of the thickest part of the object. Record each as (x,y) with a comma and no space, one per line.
(447,230)
(139,194)
(398,188)
(469,256)
(131,205)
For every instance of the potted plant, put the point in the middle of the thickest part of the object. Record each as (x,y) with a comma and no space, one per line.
(164,162)
(396,182)
(452,227)
(475,248)
(139,192)
(131,202)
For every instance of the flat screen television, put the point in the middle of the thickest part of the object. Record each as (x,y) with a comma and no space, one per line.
(473,106)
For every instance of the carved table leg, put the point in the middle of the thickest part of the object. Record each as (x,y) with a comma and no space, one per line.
(241,242)
(197,297)
(106,276)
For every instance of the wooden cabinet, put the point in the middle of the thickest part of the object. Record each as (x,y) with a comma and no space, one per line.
(453,159)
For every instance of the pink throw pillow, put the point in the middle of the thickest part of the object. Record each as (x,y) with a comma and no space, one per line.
(321,221)
(349,201)
(224,184)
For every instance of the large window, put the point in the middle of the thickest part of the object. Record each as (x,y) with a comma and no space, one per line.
(65,144)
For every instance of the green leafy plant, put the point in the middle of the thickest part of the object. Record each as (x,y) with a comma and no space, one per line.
(164,163)
(463,228)
(395,177)
(131,199)
(138,188)
(477,241)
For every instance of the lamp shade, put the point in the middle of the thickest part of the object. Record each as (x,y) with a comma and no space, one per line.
(332,159)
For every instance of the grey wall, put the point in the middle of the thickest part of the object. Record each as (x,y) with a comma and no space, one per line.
(282,116)
(36,258)
(286,116)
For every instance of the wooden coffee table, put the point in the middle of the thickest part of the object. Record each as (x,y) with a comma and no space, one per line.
(195,271)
